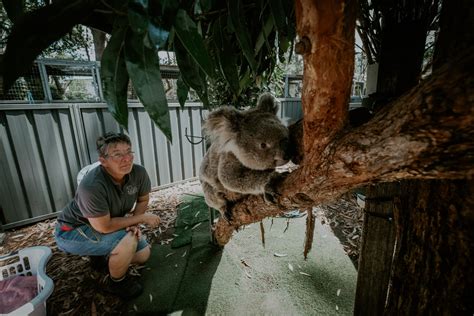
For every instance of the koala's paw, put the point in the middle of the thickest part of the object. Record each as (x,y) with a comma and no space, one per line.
(228,216)
(272,194)
(226,211)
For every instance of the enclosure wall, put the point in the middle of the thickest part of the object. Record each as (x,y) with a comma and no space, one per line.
(43,147)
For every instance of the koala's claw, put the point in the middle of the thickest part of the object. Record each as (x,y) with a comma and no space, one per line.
(271,197)
(271,194)
(226,212)
(228,216)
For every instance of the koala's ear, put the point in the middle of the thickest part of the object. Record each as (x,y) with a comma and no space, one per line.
(222,124)
(267,103)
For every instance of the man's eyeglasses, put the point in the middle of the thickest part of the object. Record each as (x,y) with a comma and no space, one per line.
(120,156)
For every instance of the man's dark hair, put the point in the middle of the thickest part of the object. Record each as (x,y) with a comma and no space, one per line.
(110,138)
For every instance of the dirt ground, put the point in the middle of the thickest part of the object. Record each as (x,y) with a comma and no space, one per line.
(77,287)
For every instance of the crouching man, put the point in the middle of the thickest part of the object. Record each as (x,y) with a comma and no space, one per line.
(95,224)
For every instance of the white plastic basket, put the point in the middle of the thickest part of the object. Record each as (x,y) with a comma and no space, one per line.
(29,261)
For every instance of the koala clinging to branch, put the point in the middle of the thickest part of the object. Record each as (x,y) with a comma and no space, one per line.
(246,146)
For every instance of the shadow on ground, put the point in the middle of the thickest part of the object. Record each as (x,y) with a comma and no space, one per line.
(178,277)
(247,277)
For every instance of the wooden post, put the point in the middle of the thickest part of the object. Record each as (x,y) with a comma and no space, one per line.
(376,254)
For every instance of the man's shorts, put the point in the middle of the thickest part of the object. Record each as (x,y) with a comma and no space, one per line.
(85,241)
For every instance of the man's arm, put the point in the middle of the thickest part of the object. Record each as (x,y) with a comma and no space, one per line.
(106,224)
(142,204)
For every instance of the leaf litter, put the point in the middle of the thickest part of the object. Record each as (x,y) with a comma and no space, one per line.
(72,274)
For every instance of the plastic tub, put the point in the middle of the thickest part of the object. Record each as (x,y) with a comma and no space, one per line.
(29,261)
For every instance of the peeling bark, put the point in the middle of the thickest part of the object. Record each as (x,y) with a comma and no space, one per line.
(329,27)
(425,134)
(434,267)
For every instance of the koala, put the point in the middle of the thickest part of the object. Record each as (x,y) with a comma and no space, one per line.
(246,146)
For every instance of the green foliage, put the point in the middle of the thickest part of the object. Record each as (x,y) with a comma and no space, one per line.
(114,73)
(225,49)
(73,45)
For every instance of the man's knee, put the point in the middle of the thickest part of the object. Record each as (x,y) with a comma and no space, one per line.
(128,243)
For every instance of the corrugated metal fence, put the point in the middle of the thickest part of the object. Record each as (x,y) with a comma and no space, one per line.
(43,147)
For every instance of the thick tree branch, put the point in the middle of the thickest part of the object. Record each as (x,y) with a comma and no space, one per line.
(425,134)
(326,30)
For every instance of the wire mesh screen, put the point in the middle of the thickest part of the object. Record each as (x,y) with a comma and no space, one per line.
(169,76)
(28,88)
(77,81)
(68,82)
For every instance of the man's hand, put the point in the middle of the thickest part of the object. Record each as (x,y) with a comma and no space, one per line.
(151,220)
(135,230)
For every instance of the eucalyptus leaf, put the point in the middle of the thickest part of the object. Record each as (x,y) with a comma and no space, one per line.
(187,32)
(279,15)
(114,73)
(226,56)
(143,66)
(207,5)
(167,16)
(182,91)
(138,15)
(263,36)
(236,15)
(191,73)
(14,8)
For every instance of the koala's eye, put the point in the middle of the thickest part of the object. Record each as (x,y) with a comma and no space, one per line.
(263,145)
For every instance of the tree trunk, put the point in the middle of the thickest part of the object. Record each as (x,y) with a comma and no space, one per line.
(425,134)
(326,29)
(434,261)
(434,266)
(399,70)
(376,251)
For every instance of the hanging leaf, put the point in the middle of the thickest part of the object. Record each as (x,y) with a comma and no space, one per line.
(167,16)
(36,31)
(138,15)
(207,5)
(236,15)
(14,9)
(245,80)
(226,56)
(182,91)
(143,66)
(279,16)
(191,73)
(114,74)
(187,32)
(263,36)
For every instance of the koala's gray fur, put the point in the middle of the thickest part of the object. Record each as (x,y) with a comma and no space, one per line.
(246,146)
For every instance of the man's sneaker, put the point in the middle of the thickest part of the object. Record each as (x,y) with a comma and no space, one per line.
(126,289)
(99,264)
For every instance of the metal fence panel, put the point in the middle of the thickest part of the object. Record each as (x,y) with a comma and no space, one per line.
(163,157)
(175,150)
(147,145)
(196,137)
(51,146)
(12,192)
(43,147)
(30,161)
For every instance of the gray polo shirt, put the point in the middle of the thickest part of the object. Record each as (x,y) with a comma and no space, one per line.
(98,195)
